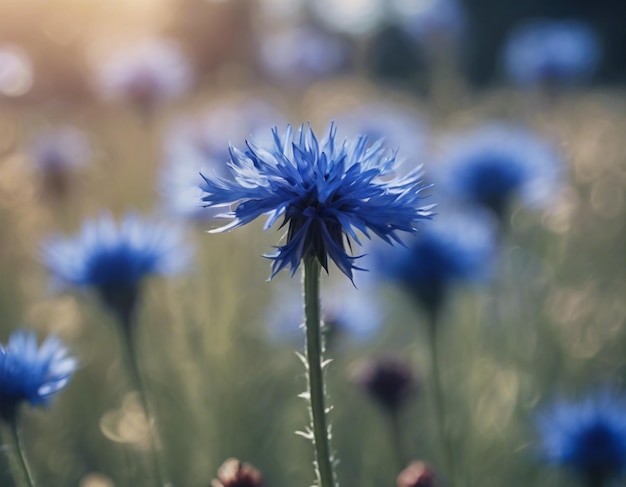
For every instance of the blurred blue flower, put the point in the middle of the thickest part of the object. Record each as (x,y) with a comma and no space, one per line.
(496,164)
(455,248)
(57,153)
(301,54)
(357,314)
(148,73)
(431,21)
(201,145)
(396,126)
(589,437)
(326,191)
(115,260)
(551,52)
(31,374)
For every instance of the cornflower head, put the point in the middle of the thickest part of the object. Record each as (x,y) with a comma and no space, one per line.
(201,145)
(301,54)
(389,381)
(431,22)
(147,73)
(58,153)
(544,52)
(29,374)
(354,313)
(454,249)
(325,191)
(496,164)
(395,125)
(588,436)
(114,260)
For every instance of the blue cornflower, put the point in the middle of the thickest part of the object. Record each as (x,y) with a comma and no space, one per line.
(431,22)
(456,248)
(300,54)
(57,154)
(554,52)
(115,260)
(31,374)
(325,191)
(589,437)
(147,73)
(496,164)
(397,126)
(355,313)
(200,144)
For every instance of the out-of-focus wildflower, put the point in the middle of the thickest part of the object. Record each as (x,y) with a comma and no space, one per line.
(194,146)
(356,314)
(325,191)
(397,127)
(148,73)
(234,473)
(31,374)
(453,249)
(544,52)
(417,474)
(431,22)
(389,381)
(57,154)
(589,437)
(356,17)
(114,260)
(16,72)
(496,164)
(301,54)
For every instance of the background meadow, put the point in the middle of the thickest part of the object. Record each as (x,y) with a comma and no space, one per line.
(216,343)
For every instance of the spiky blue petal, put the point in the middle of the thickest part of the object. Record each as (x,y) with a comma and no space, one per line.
(326,192)
(114,260)
(31,374)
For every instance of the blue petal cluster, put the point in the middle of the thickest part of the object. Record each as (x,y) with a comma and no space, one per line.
(496,164)
(114,260)
(556,52)
(31,374)
(455,248)
(200,144)
(589,437)
(325,191)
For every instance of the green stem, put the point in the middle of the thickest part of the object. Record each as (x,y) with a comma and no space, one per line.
(21,471)
(126,339)
(396,438)
(440,403)
(312,312)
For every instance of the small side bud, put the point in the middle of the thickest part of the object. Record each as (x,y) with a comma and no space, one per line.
(233,473)
(389,381)
(417,474)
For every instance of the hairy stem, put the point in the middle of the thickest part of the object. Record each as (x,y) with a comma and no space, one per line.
(441,413)
(126,339)
(312,312)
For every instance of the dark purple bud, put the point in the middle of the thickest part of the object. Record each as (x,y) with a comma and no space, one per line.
(389,381)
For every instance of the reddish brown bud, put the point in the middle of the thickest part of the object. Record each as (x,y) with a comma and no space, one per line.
(417,474)
(233,473)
